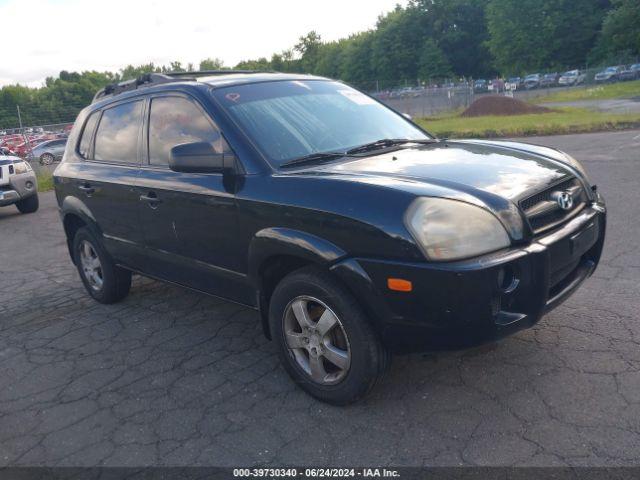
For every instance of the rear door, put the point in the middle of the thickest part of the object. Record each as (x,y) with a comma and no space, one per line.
(189,220)
(105,181)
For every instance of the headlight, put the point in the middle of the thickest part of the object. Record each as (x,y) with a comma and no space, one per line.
(21,167)
(451,230)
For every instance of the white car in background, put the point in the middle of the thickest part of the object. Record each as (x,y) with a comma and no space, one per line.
(572,77)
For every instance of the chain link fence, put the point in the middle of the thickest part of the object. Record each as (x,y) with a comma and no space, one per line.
(429,101)
(419,100)
(54,128)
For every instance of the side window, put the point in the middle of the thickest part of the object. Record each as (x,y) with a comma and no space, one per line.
(117,136)
(176,120)
(87,133)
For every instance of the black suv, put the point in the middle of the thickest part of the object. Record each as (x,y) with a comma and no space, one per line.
(352,231)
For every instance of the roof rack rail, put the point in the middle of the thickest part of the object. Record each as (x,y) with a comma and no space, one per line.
(203,73)
(148,79)
(144,80)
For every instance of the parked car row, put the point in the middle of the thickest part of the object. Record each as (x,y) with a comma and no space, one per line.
(532,81)
(554,79)
(418,91)
(45,148)
(618,73)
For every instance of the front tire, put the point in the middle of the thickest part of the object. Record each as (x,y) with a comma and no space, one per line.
(29,204)
(102,278)
(324,339)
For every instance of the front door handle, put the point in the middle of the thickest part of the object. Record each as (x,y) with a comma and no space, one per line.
(151,198)
(87,188)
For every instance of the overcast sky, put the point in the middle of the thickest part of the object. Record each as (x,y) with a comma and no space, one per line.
(42,37)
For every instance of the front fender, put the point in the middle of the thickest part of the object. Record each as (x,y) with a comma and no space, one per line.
(276,241)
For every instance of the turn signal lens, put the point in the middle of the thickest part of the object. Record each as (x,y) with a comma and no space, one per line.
(399,285)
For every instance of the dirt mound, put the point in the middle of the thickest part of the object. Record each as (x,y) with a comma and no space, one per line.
(499,105)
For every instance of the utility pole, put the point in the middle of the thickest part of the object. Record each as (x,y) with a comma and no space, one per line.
(19,119)
(26,140)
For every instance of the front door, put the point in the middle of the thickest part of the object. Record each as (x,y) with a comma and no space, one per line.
(189,221)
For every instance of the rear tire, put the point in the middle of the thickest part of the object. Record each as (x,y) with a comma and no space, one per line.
(46,159)
(102,278)
(337,330)
(29,204)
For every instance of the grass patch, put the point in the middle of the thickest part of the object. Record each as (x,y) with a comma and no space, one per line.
(566,120)
(595,92)
(45,181)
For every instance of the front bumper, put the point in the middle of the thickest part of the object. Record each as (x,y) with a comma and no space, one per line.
(461,304)
(18,187)
(8,197)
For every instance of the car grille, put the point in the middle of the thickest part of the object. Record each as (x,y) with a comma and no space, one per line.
(543,211)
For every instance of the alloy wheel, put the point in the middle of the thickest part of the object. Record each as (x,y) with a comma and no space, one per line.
(316,340)
(91,266)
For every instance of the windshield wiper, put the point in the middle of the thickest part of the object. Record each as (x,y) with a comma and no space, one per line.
(388,142)
(319,157)
(312,158)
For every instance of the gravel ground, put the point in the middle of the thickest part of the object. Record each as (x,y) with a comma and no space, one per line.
(616,105)
(170,377)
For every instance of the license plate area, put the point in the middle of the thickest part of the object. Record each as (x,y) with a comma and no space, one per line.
(4,174)
(565,254)
(583,240)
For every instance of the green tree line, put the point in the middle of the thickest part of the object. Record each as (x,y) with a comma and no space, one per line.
(426,41)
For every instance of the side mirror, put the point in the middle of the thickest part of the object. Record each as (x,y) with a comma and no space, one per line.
(407,116)
(199,157)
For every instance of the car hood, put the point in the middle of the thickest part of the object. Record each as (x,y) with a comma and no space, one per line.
(509,170)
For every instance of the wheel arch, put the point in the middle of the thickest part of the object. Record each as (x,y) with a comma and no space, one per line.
(75,215)
(276,252)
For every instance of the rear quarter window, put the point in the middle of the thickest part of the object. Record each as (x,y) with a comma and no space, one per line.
(118,132)
(87,133)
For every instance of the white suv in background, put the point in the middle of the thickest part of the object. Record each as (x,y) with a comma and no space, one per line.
(18,184)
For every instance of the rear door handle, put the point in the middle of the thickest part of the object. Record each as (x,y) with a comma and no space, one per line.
(86,188)
(151,198)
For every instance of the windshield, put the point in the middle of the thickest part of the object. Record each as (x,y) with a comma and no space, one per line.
(572,73)
(293,119)
(611,69)
(532,77)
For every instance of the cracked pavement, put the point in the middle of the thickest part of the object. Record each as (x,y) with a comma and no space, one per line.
(171,377)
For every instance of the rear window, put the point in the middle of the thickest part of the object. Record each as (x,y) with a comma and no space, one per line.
(118,131)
